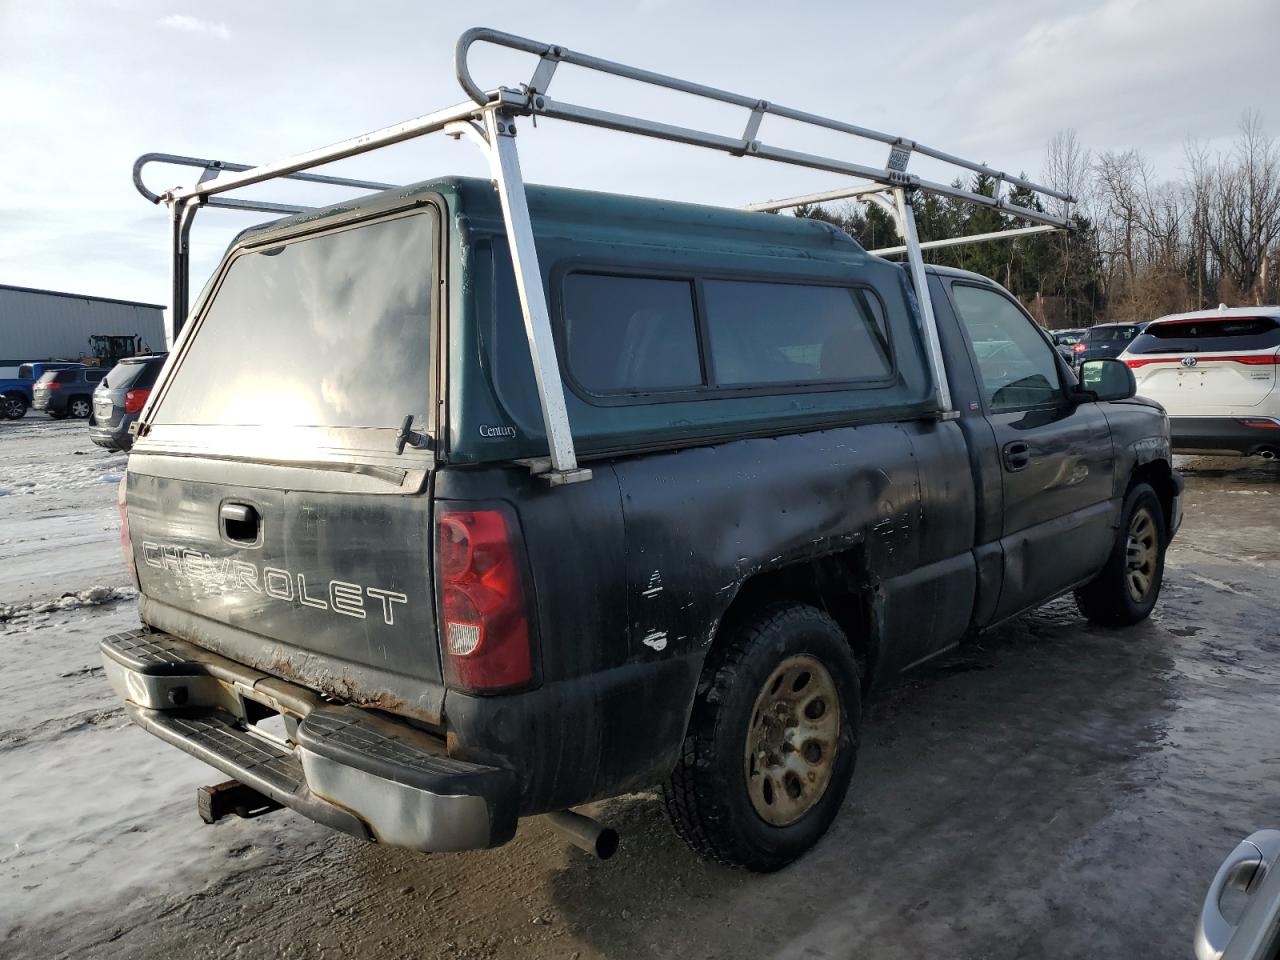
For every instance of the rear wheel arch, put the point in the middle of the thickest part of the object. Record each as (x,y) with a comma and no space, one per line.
(836,583)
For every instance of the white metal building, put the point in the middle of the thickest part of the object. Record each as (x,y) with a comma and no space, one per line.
(48,324)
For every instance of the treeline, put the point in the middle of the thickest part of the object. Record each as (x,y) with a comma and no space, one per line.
(1141,247)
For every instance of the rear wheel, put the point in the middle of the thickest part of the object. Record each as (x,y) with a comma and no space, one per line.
(80,408)
(1126,589)
(13,406)
(772,740)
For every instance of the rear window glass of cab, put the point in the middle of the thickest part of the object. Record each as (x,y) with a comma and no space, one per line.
(641,334)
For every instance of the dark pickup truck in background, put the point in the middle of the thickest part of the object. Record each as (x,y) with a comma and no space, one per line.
(361,601)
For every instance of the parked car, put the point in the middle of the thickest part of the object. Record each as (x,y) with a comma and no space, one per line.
(1214,371)
(15,392)
(1064,340)
(363,599)
(1105,341)
(1250,930)
(120,397)
(67,392)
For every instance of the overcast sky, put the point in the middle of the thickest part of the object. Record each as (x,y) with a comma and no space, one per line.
(87,85)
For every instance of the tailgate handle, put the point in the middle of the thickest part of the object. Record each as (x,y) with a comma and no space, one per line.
(240,522)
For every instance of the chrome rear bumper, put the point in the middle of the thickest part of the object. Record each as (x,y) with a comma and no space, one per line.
(352,770)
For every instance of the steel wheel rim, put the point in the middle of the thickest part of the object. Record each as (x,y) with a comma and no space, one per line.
(1142,549)
(792,740)
(79,408)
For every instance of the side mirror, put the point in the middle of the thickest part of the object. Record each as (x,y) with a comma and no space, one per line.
(1108,379)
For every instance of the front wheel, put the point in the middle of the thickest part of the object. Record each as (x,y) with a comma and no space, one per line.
(772,740)
(13,407)
(1126,589)
(80,408)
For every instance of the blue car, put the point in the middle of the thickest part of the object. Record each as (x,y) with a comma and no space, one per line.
(15,392)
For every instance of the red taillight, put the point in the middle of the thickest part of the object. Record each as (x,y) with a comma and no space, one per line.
(135,400)
(1263,423)
(1252,359)
(126,545)
(52,385)
(484,625)
(1249,359)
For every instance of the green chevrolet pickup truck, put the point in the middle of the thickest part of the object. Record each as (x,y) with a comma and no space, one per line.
(373,589)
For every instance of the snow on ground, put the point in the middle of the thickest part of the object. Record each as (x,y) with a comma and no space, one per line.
(93,812)
(59,524)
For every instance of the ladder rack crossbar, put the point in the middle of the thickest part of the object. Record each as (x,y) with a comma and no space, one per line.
(825,196)
(971,238)
(558,54)
(292,166)
(214,167)
(594,117)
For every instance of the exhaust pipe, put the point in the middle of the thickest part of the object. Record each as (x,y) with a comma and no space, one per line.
(586,834)
(1269,454)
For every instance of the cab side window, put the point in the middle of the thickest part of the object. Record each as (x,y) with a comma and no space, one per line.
(1016,363)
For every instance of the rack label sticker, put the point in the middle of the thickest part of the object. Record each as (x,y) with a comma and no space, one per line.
(898,159)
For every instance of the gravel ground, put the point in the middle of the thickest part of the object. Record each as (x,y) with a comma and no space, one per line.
(1053,790)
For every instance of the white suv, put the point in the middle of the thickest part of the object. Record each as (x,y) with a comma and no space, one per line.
(1214,372)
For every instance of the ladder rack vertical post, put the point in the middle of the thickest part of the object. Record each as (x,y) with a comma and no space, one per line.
(920,280)
(181,215)
(504,163)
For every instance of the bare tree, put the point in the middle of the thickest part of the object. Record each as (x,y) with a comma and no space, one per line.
(1244,209)
(1066,168)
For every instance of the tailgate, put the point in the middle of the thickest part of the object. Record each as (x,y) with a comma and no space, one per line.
(276,514)
(329,589)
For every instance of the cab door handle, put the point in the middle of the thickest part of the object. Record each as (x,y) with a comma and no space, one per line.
(1017,456)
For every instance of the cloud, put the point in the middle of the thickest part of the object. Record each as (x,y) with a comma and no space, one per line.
(180,21)
(1133,72)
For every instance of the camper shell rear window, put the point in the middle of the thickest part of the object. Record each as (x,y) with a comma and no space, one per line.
(326,330)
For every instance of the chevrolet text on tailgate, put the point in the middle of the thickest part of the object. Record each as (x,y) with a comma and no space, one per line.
(470,500)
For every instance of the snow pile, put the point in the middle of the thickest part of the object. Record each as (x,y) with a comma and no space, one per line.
(93,597)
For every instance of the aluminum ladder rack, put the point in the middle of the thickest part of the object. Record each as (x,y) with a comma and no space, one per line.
(488,117)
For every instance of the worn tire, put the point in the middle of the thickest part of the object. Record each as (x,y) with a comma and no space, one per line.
(1108,599)
(706,795)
